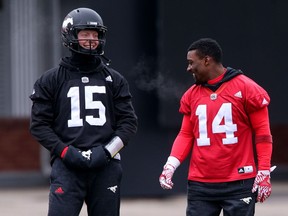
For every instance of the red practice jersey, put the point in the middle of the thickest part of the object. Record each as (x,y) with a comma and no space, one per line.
(222,135)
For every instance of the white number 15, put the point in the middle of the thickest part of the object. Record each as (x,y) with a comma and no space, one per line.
(74,94)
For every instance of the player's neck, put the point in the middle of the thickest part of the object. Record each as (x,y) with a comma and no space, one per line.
(82,58)
(219,76)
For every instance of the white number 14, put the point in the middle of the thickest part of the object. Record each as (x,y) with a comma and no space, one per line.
(227,127)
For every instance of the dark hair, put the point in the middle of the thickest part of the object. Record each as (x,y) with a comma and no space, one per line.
(209,47)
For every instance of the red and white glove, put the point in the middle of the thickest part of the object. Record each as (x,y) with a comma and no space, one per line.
(165,178)
(263,184)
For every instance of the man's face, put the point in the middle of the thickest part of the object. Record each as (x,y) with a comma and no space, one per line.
(88,39)
(197,67)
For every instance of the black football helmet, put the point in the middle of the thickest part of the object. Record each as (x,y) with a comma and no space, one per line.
(79,19)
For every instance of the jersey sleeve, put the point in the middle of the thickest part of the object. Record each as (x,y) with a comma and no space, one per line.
(263,138)
(126,119)
(257,98)
(257,101)
(183,143)
(42,116)
(184,103)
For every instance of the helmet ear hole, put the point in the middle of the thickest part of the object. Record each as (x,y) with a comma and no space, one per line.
(78,19)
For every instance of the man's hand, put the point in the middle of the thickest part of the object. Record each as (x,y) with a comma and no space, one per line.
(91,159)
(75,158)
(263,184)
(99,157)
(165,178)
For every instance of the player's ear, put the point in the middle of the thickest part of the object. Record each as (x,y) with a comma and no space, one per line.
(207,60)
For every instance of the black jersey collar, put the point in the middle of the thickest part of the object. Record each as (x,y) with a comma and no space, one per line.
(82,63)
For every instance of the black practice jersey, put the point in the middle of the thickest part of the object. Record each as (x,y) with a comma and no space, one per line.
(83,107)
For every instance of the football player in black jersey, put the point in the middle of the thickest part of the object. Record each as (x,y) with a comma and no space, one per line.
(83,114)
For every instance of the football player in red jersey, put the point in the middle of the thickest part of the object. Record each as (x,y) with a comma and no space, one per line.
(224,114)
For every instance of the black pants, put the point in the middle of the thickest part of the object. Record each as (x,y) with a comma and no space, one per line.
(99,189)
(208,199)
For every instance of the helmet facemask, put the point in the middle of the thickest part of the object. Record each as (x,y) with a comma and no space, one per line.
(80,19)
(76,47)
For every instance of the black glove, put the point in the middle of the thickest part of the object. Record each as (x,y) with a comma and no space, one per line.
(99,157)
(77,159)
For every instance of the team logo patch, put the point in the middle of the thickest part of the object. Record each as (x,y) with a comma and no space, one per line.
(213,96)
(113,188)
(85,79)
(86,154)
(67,23)
(246,199)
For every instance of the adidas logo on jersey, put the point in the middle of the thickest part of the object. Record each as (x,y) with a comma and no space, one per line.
(109,79)
(241,170)
(264,101)
(245,169)
(238,94)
